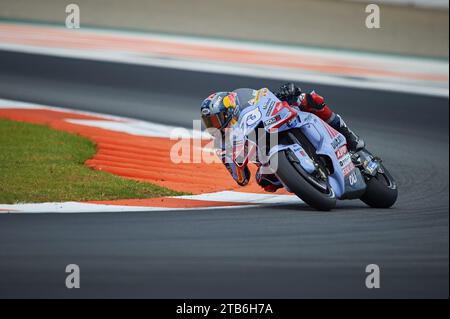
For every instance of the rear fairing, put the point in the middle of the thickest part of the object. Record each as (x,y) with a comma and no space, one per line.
(346,180)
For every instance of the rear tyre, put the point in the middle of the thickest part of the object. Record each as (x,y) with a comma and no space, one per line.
(300,183)
(381,191)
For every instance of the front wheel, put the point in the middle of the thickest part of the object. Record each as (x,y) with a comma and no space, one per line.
(317,194)
(381,190)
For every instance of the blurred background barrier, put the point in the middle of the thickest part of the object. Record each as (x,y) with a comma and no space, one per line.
(439,4)
(408,30)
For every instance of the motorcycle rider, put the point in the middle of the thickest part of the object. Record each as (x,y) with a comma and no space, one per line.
(220,110)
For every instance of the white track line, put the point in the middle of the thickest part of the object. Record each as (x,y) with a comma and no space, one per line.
(241,197)
(250,199)
(87,208)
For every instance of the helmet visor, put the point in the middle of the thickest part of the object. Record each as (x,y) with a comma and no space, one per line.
(218,121)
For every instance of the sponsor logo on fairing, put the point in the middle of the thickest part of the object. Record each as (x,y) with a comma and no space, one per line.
(257,97)
(253,117)
(341,152)
(348,169)
(353,179)
(345,161)
(269,111)
(338,141)
(279,106)
(268,105)
(272,120)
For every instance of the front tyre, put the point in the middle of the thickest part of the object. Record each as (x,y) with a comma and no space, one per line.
(301,184)
(381,190)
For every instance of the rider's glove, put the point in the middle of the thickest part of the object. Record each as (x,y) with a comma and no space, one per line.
(289,92)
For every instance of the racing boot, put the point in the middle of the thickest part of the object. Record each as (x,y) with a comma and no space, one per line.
(354,142)
(269,181)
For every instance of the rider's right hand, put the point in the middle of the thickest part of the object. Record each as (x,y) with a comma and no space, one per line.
(289,92)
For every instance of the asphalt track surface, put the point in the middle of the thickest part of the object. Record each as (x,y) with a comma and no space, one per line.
(277,252)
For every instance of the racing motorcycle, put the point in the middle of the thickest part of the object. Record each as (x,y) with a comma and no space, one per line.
(309,157)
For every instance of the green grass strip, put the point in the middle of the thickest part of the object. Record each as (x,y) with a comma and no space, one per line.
(39,164)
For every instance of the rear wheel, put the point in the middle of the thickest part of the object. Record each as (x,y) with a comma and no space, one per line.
(381,190)
(313,190)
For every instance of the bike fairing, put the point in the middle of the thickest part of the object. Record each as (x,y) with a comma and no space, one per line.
(291,117)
